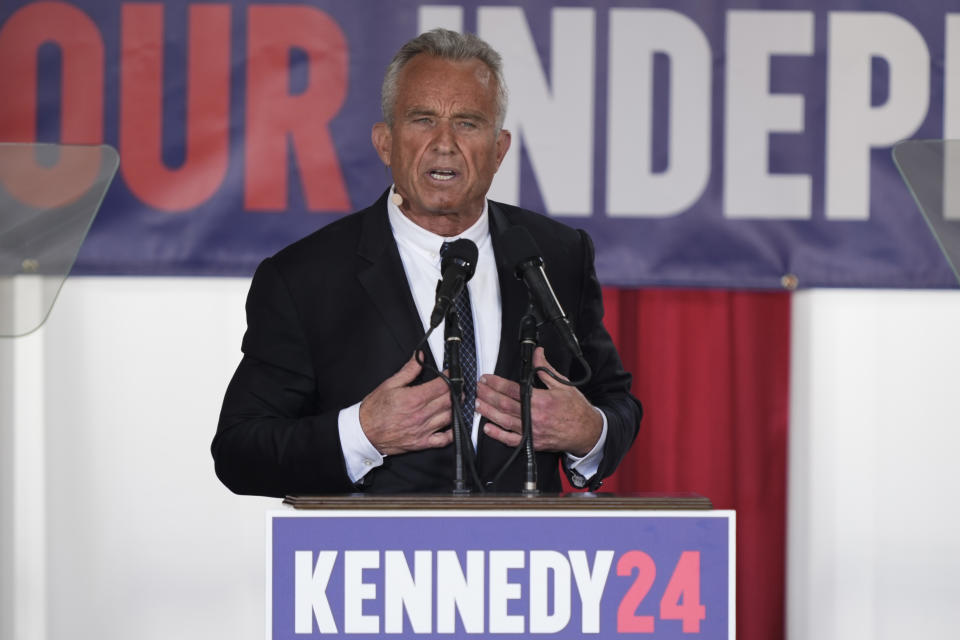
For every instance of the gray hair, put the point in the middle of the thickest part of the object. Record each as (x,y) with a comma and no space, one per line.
(448,45)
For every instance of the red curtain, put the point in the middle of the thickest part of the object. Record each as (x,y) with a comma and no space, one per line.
(711,369)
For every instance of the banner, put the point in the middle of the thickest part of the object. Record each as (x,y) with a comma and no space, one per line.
(490,574)
(700,143)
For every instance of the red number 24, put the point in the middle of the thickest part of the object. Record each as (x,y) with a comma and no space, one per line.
(684,585)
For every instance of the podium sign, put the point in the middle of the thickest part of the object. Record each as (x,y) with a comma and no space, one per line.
(500,574)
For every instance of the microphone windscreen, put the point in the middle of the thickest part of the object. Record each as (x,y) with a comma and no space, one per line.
(462,251)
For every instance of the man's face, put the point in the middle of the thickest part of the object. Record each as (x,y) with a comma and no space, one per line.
(444,145)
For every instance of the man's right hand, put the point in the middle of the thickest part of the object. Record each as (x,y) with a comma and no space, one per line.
(397,418)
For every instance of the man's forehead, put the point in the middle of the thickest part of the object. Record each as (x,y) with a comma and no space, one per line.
(483,73)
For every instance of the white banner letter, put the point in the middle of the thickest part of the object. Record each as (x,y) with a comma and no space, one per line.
(310,591)
(355,591)
(633,189)
(553,120)
(751,113)
(542,565)
(502,591)
(854,127)
(590,585)
(460,592)
(405,591)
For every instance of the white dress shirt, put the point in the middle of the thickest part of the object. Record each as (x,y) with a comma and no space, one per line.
(420,254)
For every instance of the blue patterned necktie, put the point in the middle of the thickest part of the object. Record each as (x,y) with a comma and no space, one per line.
(468,352)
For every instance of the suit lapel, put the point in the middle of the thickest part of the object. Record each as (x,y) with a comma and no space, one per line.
(513,300)
(382,276)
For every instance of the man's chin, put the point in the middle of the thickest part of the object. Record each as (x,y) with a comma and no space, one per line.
(445,207)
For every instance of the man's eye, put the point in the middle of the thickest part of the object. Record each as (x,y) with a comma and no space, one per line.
(423,121)
(468,125)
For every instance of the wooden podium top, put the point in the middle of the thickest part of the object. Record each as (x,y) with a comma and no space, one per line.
(503,501)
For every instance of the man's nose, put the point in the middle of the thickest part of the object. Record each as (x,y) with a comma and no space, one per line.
(444,139)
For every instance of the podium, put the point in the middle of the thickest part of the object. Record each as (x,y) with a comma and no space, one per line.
(500,566)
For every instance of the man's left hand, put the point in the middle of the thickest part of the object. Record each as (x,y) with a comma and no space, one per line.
(563,419)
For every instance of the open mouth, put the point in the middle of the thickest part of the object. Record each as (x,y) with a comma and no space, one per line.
(443,174)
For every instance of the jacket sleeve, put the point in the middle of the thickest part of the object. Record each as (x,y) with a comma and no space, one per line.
(268,440)
(609,386)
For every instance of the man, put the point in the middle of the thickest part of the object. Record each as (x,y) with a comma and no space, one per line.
(328,397)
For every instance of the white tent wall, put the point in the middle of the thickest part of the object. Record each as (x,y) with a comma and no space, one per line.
(115,527)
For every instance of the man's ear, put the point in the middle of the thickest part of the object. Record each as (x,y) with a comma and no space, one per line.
(503,144)
(382,141)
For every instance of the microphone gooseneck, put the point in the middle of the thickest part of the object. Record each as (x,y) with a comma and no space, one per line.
(453,338)
(456,267)
(528,343)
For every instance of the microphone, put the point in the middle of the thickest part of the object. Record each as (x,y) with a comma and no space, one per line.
(521,253)
(458,264)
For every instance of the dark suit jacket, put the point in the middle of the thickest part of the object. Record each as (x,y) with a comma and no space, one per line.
(331,316)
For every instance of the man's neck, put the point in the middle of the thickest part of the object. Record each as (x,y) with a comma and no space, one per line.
(447,225)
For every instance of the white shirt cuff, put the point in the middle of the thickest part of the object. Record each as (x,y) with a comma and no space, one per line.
(587,466)
(360,456)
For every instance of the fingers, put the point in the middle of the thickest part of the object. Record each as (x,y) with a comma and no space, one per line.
(407,374)
(540,360)
(498,400)
(437,413)
(506,420)
(562,419)
(501,385)
(439,439)
(509,438)
(397,417)
(428,391)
